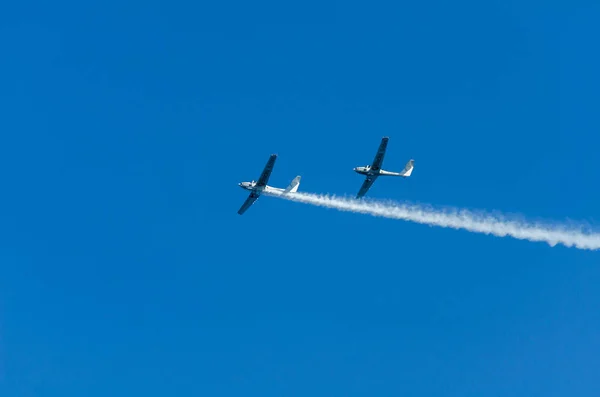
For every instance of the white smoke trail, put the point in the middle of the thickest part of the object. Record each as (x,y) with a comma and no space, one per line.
(496,225)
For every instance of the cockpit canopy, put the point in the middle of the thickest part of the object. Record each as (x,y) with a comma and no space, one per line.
(248,184)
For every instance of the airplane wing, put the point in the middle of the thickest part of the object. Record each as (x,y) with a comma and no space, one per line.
(380,154)
(366,185)
(249,201)
(264,177)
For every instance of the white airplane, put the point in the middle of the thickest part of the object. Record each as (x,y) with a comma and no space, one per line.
(260,186)
(374,170)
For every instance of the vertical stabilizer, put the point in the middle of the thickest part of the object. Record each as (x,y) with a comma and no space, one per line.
(293,187)
(408,168)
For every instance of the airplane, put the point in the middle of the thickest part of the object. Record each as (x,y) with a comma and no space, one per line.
(374,170)
(258,187)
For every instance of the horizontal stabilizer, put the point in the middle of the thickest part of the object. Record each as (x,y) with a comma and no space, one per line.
(293,187)
(408,168)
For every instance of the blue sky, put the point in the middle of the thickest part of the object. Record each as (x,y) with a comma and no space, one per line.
(125,270)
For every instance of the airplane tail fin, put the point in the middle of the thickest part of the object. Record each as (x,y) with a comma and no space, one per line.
(293,187)
(408,168)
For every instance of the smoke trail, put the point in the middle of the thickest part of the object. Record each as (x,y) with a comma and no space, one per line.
(496,225)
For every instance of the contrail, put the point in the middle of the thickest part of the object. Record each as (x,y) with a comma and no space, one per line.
(496,225)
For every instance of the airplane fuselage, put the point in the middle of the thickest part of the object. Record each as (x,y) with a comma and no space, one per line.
(370,172)
(260,189)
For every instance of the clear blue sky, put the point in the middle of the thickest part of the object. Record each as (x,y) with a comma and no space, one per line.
(126,126)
